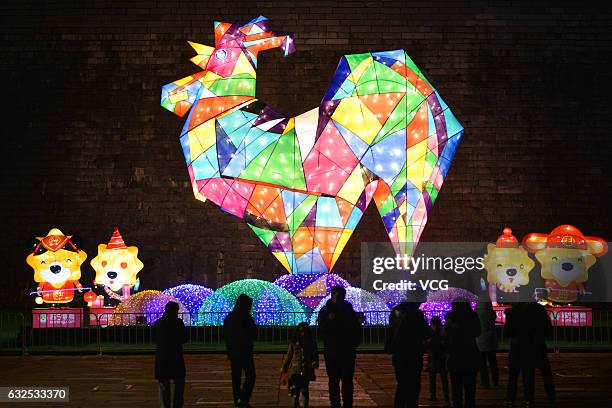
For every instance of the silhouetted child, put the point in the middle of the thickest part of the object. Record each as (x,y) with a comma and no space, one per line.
(301,360)
(169,363)
(437,359)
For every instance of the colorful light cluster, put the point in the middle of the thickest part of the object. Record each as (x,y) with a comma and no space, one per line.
(375,311)
(311,288)
(392,298)
(272,305)
(145,308)
(439,302)
(191,296)
(302,184)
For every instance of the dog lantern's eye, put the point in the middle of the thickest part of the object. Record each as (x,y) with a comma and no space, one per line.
(522,266)
(124,265)
(42,262)
(221,55)
(68,260)
(580,260)
(555,259)
(499,265)
(104,263)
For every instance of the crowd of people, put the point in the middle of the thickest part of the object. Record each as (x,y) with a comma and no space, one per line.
(465,344)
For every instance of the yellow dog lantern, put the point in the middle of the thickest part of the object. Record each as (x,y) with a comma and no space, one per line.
(117,267)
(507,265)
(566,256)
(56,260)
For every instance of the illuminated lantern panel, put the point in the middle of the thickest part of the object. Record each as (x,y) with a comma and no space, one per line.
(310,289)
(272,305)
(439,303)
(381,133)
(145,307)
(191,296)
(375,311)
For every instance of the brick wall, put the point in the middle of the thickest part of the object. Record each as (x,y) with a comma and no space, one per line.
(87,146)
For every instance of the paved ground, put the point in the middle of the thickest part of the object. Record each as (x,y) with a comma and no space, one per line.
(583,380)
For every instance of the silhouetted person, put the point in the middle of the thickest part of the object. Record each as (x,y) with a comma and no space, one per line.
(462,328)
(169,363)
(437,359)
(240,332)
(487,344)
(300,362)
(340,328)
(527,325)
(407,334)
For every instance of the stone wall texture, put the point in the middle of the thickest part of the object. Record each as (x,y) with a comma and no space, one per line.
(87,147)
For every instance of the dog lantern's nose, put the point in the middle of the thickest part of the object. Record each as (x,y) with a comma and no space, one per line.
(111,274)
(511,272)
(567,266)
(55,269)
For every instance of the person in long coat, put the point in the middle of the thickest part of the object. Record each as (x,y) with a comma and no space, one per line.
(527,326)
(169,363)
(341,331)
(461,329)
(240,332)
(408,332)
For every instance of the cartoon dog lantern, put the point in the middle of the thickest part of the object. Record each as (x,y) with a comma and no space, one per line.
(566,256)
(507,265)
(56,260)
(116,267)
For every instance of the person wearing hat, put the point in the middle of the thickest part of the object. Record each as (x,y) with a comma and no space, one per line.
(341,331)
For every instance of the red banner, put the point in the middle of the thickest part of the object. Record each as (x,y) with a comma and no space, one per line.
(57,318)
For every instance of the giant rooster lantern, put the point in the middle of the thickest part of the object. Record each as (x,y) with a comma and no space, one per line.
(382,133)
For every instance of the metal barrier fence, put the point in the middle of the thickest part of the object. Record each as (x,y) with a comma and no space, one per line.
(134,332)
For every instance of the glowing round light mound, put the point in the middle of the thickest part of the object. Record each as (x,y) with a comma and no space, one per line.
(311,288)
(439,302)
(375,311)
(144,308)
(191,296)
(392,298)
(272,305)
